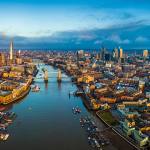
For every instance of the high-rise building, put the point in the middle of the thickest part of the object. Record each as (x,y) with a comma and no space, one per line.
(145,53)
(19,61)
(115,53)
(3,59)
(97,56)
(107,57)
(121,53)
(11,51)
(19,52)
(102,54)
(80,54)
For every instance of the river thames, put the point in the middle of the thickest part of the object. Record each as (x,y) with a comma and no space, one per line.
(45,120)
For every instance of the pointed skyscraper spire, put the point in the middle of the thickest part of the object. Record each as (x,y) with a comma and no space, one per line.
(11,50)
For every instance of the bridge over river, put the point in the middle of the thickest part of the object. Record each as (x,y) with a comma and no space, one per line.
(50,74)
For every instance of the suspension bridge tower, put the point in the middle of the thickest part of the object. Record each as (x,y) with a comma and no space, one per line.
(59,76)
(46,76)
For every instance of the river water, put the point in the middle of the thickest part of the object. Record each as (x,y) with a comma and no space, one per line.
(45,120)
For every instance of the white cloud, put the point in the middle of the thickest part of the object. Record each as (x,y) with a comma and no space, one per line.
(86,37)
(116,38)
(141,39)
(35,21)
(98,42)
(126,41)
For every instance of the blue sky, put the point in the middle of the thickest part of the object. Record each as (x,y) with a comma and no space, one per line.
(75,24)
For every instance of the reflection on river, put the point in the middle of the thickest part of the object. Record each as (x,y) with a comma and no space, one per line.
(45,120)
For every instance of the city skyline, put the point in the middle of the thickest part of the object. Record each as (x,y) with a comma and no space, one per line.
(71,25)
(75,74)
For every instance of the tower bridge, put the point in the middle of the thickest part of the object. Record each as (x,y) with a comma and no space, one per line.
(42,77)
(59,76)
(45,74)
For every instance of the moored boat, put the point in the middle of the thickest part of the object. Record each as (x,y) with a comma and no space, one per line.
(76,110)
(36,88)
(4,125)
(4,136)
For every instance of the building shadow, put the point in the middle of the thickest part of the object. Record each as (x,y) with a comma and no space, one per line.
(59,86)
(46,86)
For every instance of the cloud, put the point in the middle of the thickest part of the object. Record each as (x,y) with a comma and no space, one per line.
(86,37)
(125,35)
(141,39)
(117,39)
(127,15)
(98,42)
(126,41)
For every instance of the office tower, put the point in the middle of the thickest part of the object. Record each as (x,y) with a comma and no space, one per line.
(145,53)
(18,54)
(19,61)
(80,54)
(11,52)
(103,52)
(3,59)
(121,53)
(97,56)
(107,57)
(115,53)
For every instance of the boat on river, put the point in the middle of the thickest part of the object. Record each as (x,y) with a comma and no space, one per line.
(36,88)
(4,125)
(78,93)
(76,110)
(6,118)
(9,116)
(95,137)
(3,134)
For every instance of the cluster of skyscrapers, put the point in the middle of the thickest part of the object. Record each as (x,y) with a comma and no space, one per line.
(11,57)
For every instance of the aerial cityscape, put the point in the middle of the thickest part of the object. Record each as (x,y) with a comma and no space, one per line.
(75,75)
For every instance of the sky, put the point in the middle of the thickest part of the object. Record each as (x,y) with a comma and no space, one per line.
(75,24)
